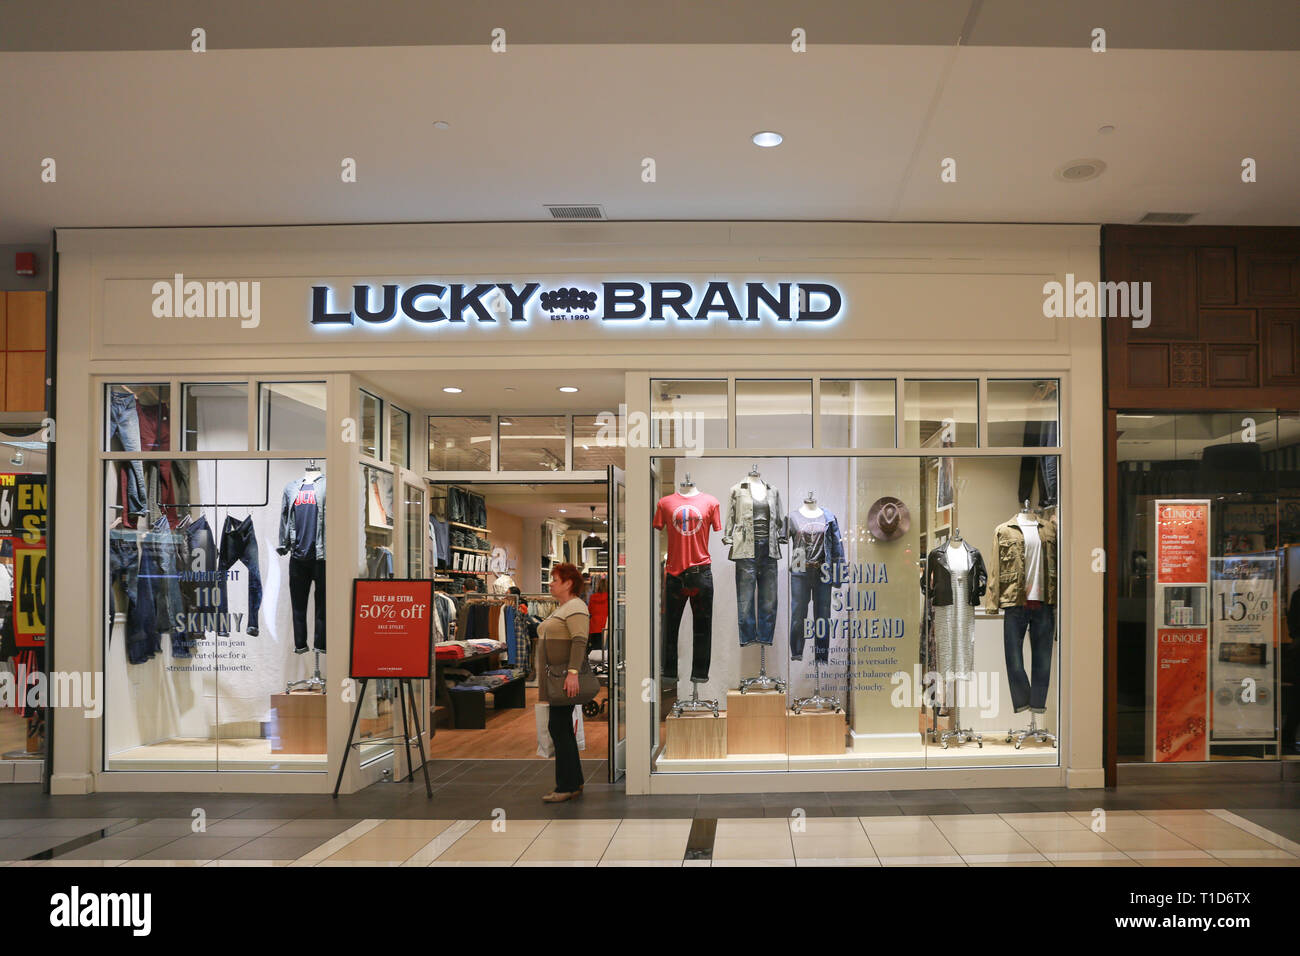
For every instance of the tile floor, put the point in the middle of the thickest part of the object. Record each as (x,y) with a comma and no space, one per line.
(1048,838)
(489,813)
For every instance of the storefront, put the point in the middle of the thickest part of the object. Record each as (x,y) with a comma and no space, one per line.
(879,423)
(1203,511)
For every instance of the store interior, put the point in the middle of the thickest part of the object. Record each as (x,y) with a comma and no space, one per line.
(484,697)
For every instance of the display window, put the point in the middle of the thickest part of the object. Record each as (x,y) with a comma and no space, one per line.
(858,611)
(1208,586)
(214,583)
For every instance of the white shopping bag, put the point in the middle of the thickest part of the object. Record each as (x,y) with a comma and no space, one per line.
(542,714)
(542,717)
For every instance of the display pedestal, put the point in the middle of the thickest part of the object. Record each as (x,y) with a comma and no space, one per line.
(816,733)
(756,722)
(298,723)
(695,737)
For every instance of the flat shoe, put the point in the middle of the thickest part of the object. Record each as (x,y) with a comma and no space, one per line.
(557,797)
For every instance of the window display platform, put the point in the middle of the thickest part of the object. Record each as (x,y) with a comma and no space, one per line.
(206,754)
(995,753)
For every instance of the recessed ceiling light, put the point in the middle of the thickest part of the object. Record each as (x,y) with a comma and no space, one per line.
(767,139)
(441,124)
(564,511)
(452,389)
(568,388)
(510,388)
(1080,170)
(1106,129)
(504,422)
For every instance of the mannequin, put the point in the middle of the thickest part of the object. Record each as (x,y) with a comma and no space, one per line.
(688,516)
(1022,586)
(302,537)
(814,543)
(756,529)
(955,581)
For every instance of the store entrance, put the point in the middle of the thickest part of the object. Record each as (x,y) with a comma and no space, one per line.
(492,575)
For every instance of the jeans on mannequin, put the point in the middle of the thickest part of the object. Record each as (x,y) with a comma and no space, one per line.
(1029,693)
(694,585)
(303,574)
(756,598)
(808,587)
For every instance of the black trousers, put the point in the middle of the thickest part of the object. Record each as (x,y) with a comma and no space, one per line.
(303,573)
(568,765)
(694,585)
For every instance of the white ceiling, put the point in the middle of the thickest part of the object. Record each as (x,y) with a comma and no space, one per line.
(515,392)
(257,136)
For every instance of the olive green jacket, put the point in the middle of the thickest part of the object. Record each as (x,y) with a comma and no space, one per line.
(738,532)
(1007,569)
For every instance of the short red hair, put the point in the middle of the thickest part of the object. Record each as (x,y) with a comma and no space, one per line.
(573,574)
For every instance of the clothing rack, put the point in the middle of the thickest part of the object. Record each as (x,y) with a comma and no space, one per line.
(189,505)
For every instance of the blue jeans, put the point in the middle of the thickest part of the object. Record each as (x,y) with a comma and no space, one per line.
(124,425)
(239,543)
(756,599)
(1027,693)
(805,587)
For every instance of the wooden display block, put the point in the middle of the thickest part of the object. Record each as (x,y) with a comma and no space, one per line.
(816,733)
(756,722)
(695,737)
(297,723)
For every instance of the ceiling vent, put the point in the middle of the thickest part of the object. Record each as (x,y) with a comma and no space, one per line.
(1167,218)
(577,213)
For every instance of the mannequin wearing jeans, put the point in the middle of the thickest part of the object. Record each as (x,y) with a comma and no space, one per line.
(756,528)
(1023,587)
(688,517)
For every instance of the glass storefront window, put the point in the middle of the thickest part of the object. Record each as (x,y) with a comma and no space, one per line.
(597,444)
(291,416)
(460,443)
(372,417)
(1023,413)
(416,534)
(138,417)
(378,522)
(773,413)
(688,413)
(799,595)
(531,442)
(940,414)
(857,413)
(399,437)
(209,625)
(215,416)
(1209,585)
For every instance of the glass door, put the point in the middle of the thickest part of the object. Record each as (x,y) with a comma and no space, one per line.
(617,563)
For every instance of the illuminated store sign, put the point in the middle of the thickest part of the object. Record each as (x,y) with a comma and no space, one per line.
(620,302)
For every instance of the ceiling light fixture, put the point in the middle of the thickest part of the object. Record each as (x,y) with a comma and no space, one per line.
(452,389)
(767,139)
(441,124)
(564,511)
(17,459)
(568,388)
(591,542)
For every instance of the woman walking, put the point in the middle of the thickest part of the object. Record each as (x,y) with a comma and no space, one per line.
(562,646)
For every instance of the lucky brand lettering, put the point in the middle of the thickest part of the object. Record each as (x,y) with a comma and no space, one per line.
(432,304)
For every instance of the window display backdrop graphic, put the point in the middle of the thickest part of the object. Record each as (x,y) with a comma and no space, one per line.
(155,701)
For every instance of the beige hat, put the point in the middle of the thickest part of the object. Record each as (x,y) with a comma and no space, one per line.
(888,519)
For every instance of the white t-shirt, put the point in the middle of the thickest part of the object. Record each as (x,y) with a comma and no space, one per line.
(1033,558)
(957,560)
(6,582)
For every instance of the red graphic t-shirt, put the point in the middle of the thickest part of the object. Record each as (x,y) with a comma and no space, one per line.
(688,520)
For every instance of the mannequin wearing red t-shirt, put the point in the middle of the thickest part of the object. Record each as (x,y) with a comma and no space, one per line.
(688,517)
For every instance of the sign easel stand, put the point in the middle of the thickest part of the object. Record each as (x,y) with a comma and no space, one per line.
(404,689)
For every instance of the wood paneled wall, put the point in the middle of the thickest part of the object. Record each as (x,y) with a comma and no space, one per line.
(1225,317)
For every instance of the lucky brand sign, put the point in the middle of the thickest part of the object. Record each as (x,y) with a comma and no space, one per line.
(435,303)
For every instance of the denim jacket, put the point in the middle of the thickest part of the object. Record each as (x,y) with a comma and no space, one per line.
(739,529)
(287,530)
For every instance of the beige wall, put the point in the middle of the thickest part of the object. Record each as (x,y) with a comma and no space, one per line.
(924,299)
